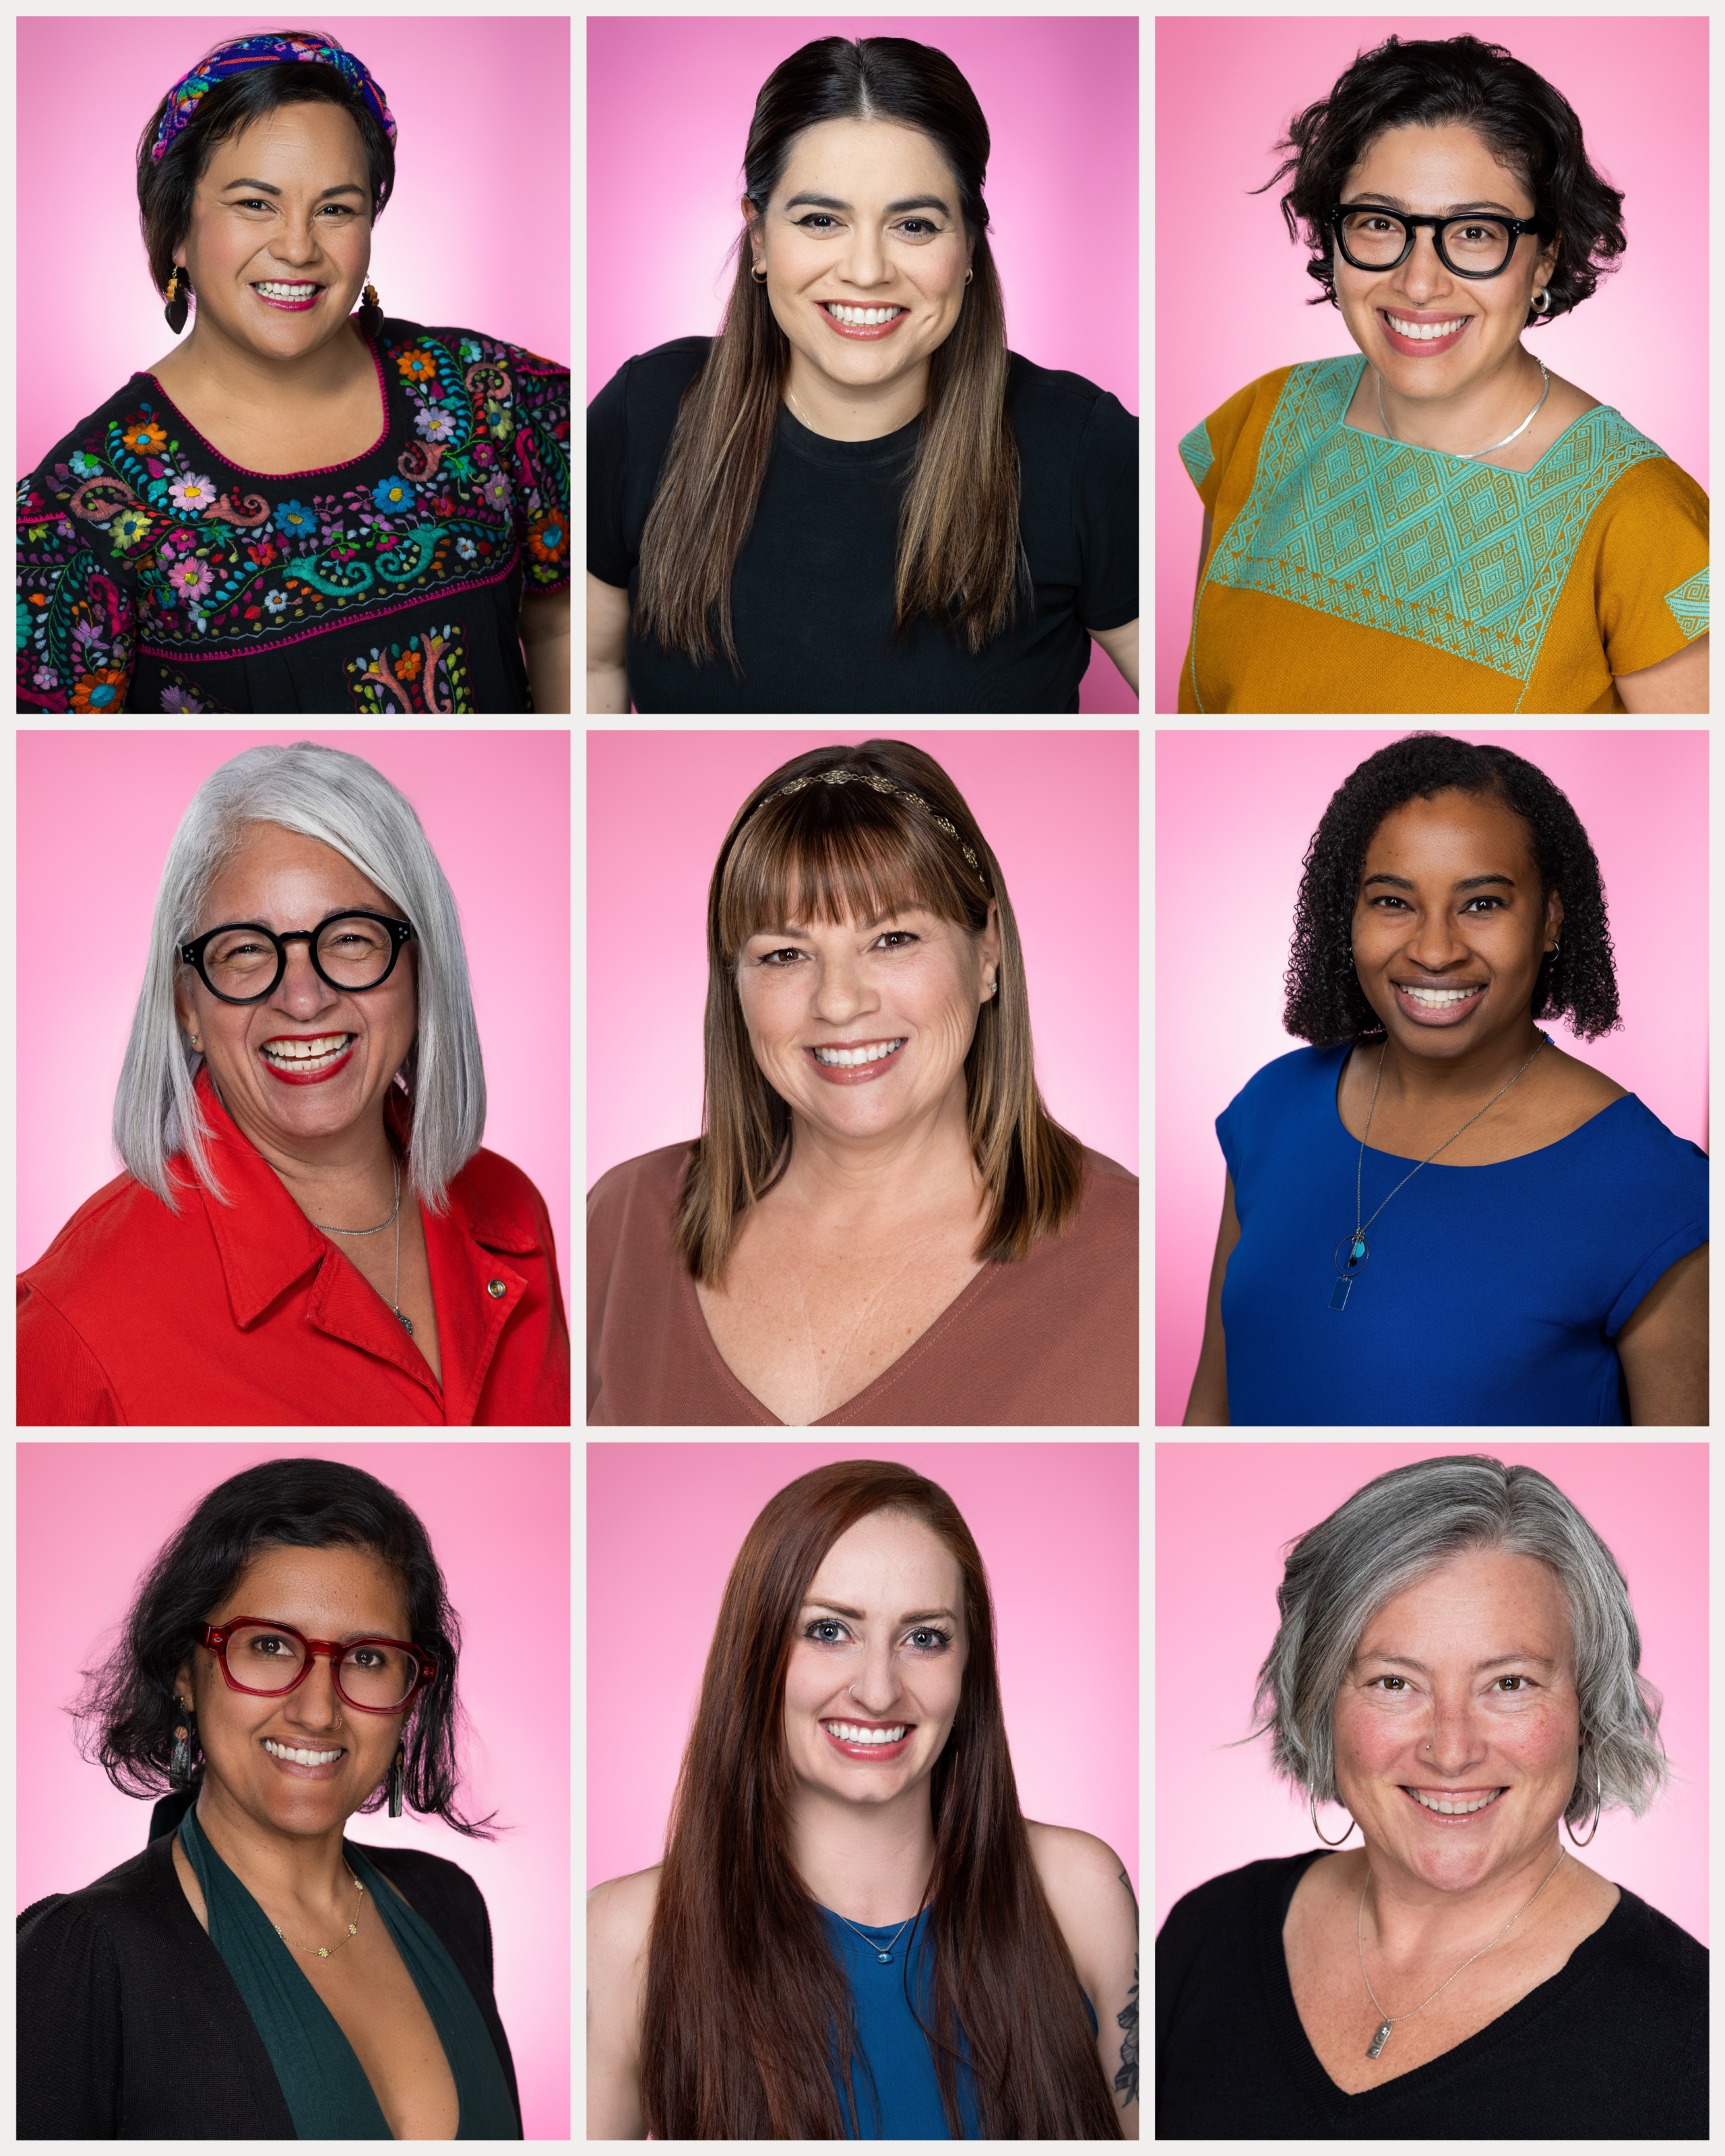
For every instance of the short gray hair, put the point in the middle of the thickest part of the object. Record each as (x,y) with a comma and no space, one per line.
(1392,1533)
(327,794)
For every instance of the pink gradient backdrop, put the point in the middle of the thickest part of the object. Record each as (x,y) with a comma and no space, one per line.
(1223,1514)
(95,815)
(1235,812)
(1061,811)
(91,1518)
(476,235)
(669,100)
(1226,88)
(1058,1529)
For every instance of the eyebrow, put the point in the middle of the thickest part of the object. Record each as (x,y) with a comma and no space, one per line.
(1456,209)
(911,1617)
(892,913)
(1467,882)
(264,187)
(1491,1662)
(893,209)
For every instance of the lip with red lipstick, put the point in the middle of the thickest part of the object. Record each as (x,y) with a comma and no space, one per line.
(281,287)
(864,331)
(306,1059)
(871,1751)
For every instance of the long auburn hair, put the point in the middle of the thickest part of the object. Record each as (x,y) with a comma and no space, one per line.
(959,556)
(748,2016)
(833,852)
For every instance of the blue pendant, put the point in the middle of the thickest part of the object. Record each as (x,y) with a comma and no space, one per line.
(882,1955)
(1339,1295)
(1351,1254)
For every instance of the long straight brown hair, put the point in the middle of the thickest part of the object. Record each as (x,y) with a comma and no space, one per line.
(748,2033)
(959,556)
(834,852)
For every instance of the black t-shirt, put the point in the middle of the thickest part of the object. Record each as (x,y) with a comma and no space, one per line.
(1614,2047)
(812,600)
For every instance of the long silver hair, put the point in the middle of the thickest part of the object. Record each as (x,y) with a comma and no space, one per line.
(327,794)
(1392,1533)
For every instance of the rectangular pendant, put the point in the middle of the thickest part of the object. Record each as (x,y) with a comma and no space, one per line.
(1381,2037)
(1339,1301)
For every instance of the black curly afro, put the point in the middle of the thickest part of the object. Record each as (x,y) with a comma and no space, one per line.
(1325,1003)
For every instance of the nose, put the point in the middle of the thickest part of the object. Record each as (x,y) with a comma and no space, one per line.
(876,1689)
(315,1703)
(1436,943)
(302,991)
(1422,275)
(1453,1742)
(840,993)
(866,263)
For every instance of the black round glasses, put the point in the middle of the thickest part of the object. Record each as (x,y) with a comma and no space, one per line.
(1474,245)
(243,962)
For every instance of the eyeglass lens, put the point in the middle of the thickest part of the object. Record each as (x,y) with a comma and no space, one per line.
(370,1674)
(1375,239)
(353,952)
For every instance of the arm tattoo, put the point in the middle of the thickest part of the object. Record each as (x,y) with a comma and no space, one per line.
(1133,1899)
(1126,2080)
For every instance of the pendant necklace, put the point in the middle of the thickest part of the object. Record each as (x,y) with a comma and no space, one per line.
(395,1216)
(1471,456)
(1354,1246)
(1387,2021)
(881,1954)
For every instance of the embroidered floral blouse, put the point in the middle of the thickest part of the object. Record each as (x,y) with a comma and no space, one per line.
(156,576)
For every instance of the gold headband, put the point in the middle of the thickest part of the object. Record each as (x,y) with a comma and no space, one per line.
(842,775)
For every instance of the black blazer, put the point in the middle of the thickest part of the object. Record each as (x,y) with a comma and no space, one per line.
(130,2028)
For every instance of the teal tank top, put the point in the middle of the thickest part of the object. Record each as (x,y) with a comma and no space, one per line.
(321,2078)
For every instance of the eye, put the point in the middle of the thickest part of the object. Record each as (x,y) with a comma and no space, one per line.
(1518,1680)
(815,218)
(929,1639)
(927,226)
(778,957)
(825,1631)
(1385,898)
(1485,898)
(1386,1681)
(899,939)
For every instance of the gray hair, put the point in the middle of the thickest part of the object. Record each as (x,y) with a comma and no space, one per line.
(1392,1533)
(322,793)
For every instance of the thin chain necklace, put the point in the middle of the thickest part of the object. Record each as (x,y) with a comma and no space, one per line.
(881,1954)
(1471,456)
(394,1216)
(1387,2021)
(1355,1243)
(323,1953)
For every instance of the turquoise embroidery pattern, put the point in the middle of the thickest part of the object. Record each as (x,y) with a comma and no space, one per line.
(1196,453)
(1689,603)
(1461,556)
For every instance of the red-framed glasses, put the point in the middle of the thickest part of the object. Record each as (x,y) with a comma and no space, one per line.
(269,1660)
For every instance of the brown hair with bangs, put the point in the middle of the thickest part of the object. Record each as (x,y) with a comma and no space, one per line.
(834,852)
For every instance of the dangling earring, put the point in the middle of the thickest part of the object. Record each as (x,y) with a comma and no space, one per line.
(396,1778)
(1598,1807)
(179,287)
(1311,1805)
(179,1764)
(371,315)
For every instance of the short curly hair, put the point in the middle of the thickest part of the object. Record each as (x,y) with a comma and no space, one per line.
(1325,1003)
(1530,127)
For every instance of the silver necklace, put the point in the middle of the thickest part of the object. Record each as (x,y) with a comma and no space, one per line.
(1471,456)
(1387,2021)
(394,1216)
(881,1954)
(1355,1243)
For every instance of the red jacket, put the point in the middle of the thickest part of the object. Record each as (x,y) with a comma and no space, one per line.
(245,1313)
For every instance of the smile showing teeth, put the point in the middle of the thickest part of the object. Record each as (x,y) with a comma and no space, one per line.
(860,318)
(1458,1807)
(1422,330)
(866,1732)
(300,1756)
(1439,998)
(287,291)
(846,1058)
(308,1055)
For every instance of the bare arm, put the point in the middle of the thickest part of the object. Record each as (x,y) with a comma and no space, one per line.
(1122,646)
(620,1917)
(607,646)
(1091,1895)
(1663,1347)
(1677,684)
(545,641)
(1207,1404)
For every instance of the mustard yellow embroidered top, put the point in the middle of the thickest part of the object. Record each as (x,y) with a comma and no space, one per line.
(1351,574)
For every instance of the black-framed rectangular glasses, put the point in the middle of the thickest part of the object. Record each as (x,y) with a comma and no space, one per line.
(1372,237)
(243,962)
(268,1660)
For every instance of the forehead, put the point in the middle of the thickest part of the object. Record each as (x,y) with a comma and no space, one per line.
(1447,829)
(317,142)
(278,873)
(324,1592)
(885,1558)
(1429,168)
(1480,1603)
(864,162)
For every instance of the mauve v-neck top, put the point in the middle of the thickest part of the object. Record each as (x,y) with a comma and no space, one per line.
(1051,1339)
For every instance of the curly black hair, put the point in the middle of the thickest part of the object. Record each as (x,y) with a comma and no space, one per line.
(127,1712)
(1530,127)
(1326,1003)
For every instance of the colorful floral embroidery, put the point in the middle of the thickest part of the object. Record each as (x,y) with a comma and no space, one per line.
(429,676)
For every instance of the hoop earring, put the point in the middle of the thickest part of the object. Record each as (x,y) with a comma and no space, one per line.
(1598,1808)
(1311,1805)
(968,275)
(759,275)
(179,288)
(1541,301)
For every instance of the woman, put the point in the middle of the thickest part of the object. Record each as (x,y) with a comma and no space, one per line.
(304,1057)
(296,509)
(847,1867)
(1457,1666)
(881,1223)
(290,1659)
(855,498)
(1542,1252)
(1442,524)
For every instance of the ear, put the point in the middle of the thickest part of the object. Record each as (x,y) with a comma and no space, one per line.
(752,222)
(184,1009)
(184,1688)
(1553,915)
(988,943)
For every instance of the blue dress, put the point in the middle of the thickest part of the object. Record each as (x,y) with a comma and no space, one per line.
(1490,1295)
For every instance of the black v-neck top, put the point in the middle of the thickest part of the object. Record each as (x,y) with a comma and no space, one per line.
(1613,2047)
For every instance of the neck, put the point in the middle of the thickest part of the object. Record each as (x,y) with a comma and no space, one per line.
(277,1869)
(1421,1084)
(346,1180)
(845,412)
(855,1187)
(1408,1921)
(210,364)
(1482,412)
(868,1862)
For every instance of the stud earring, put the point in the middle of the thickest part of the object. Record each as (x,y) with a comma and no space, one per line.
(371,315)
(396,1780)
(179,287)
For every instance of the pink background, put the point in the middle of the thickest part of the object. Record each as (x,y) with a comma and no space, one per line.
(669,99)
(1234,811)
(1060,811)
(1227,86)
(496,808)
(476,235)
(1058,1529)
(1223,1514)
(92,1517)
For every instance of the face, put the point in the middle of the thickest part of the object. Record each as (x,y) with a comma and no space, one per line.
(1461,1692)
(1429,171)
(863,1028)
(876,1669)
(325,1595)
(1449,926)
(311,1061)
(865,251)
(280,236)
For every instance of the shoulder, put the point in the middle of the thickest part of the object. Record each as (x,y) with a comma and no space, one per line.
(651,1179)
(120,1213)
(654,380)
(83,452)
(1090,1892)
(1056,414)
(1633,473)
(619,1918)
(429,1885)
(1304,1072)
(496,1194)
(1666,1958)
(465,348)
(1110,1205)
(72,1923)
(1636,1136)
(1231,1899)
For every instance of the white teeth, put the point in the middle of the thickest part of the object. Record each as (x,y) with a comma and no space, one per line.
(862,318)
(308,1055)
(300,1756)
(287,291)
(1423,332)
(1439,998)
(845,1057)
(864,1733)
(1450,1810)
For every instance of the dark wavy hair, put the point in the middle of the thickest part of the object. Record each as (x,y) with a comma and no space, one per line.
(167,185)
(1530,127)
(1325,1003)
(127,1712)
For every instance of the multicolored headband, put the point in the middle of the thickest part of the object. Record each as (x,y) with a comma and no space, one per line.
(843,775)
(245,53)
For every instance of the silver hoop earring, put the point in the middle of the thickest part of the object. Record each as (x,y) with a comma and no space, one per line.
(1598,1808)
(1312,1803)
(1541,301)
